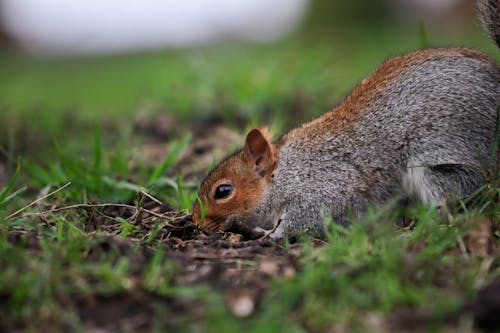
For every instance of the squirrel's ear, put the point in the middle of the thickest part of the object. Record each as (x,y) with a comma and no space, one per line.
(263,152)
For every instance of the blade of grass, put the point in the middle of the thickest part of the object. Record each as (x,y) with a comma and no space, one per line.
(172,156)
(183,201)
(13,195)
(97,150)
(7,190)
(495,145)
(98,160)
(423,36)
(38,200)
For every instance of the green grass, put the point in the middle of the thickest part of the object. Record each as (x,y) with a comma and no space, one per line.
(372,271)
(71,121)
(46,98)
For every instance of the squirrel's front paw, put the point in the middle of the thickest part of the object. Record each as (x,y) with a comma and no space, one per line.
(277,234)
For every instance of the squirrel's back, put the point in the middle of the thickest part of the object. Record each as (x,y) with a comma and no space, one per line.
(432,70)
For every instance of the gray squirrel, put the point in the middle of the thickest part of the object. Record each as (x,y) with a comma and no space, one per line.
(423,124)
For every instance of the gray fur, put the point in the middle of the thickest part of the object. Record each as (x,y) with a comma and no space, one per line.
(428,133)
(490,17)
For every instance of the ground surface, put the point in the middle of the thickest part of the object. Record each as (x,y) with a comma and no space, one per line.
(143,266)
(242,271)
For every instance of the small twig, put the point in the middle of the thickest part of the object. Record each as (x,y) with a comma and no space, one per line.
(451,220)
(98,212)
(38,200)
(150,196)
(137,219)
(78,206)
(484,268)
(410,226)
(266,235)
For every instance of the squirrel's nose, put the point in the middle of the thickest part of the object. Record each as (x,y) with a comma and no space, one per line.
(207,223)
(196,216)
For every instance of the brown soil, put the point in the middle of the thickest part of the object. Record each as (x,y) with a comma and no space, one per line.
(240,270)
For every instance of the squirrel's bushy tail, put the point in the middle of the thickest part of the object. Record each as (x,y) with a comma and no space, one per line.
(489,11)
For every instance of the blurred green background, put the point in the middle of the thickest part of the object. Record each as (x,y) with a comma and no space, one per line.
(47,99)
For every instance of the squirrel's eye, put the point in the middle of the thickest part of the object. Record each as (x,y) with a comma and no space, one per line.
(223,191)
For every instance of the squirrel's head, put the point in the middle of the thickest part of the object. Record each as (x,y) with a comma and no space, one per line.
(235,187)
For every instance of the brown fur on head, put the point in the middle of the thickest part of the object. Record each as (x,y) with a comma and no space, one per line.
(236,185)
